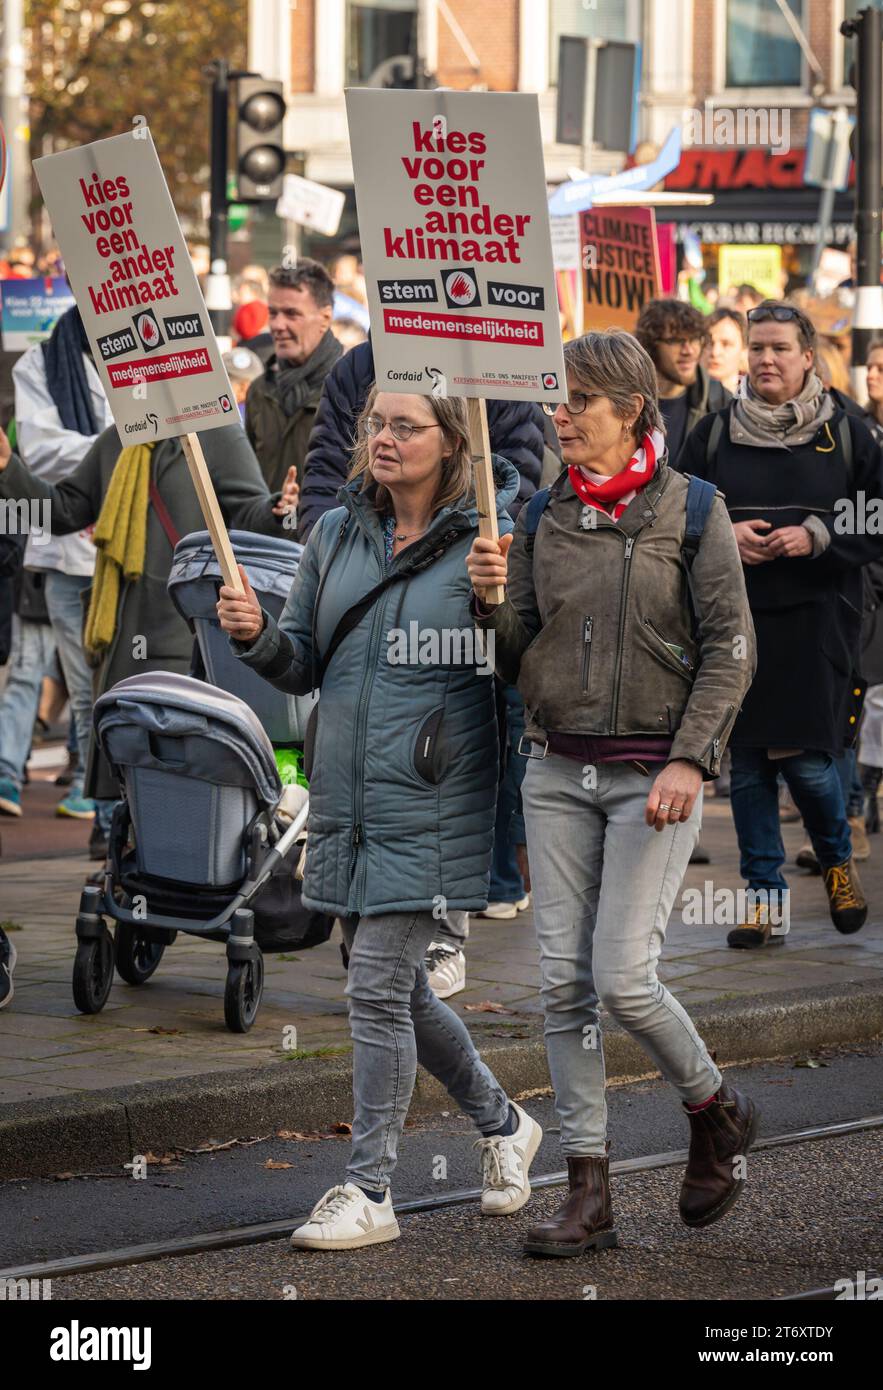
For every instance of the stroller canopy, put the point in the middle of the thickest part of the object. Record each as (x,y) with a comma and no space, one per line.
(174,706)
(270,562)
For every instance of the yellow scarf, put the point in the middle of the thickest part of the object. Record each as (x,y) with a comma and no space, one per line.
(121,537)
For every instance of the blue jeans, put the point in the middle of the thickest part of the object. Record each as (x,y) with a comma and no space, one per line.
(66,616)
(604,885)
(32,648)
(507,885)
(396,1021)
(814,783)
(853,792)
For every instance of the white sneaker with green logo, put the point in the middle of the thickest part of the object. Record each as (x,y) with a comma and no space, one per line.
(345,1219)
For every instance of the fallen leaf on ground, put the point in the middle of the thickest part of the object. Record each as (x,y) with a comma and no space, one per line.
(341,1128)
(487,1006)
(274,1163)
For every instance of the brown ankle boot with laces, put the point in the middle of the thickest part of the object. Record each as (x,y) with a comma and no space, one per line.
(846,901)
(584,1221)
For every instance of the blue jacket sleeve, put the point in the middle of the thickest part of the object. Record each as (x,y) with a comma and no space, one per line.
(283,653)
(333,434)
(516,432)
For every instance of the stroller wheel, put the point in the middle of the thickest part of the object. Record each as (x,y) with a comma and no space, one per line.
(93,973)
(135,955)
(242,996)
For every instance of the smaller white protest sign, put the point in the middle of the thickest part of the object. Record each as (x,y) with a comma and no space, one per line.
(138,295)
(310,204)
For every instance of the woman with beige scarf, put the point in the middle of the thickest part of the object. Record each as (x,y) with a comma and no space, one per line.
(793,466)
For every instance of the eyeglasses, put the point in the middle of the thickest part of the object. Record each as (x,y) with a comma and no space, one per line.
(694,340)
(782,313)
(576,405)
(399,429)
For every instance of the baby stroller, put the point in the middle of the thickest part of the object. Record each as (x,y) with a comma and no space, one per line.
(197,844)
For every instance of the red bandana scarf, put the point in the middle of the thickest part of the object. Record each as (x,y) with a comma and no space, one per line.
(614,494)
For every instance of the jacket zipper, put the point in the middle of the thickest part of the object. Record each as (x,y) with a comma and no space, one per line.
(714,744)
(587,652)
(623,597)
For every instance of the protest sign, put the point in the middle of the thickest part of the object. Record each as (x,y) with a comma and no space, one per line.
(310,204)
(620,265)
(759,266)
(31,309)
(454,227)
(455,238)
(140,301)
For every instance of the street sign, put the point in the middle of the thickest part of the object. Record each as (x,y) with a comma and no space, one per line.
(31,308)
(827,149)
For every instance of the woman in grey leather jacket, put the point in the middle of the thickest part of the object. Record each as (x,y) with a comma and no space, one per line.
(630,689)
(403,782)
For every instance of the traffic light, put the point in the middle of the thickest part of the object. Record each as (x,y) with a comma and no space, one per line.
(260,147)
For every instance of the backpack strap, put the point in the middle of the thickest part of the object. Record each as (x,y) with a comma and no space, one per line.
(700,499)
(162,512)
(534,509)
(714,438)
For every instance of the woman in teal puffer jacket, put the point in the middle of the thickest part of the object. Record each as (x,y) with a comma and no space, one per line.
(403,782)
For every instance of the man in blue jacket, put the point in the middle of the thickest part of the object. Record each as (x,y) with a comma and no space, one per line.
(515,427)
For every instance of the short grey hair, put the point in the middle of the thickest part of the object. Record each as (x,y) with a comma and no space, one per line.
(614,364)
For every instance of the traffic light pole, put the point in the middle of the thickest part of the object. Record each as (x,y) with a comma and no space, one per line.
(868,317)
(217,288)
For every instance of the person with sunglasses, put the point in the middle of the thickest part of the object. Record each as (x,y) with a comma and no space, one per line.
(795,468)
(675,334)
(630,690)
(403,769)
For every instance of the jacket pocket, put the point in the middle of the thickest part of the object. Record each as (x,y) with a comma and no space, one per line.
(310,740)
(587,654)
(428,760)
(671,652)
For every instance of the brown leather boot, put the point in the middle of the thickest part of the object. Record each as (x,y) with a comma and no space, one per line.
(722,1132)
(584,1221)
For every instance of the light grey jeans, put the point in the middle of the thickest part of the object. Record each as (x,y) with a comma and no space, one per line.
(604,884)
(396,1021)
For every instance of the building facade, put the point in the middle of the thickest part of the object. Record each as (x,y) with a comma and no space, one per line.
(737,78)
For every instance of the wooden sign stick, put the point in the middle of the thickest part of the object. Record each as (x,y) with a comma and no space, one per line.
(485,492)
(211,511)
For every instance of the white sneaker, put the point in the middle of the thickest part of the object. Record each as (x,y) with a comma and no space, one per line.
(505,1164)
(345,1219)
(504,912)
(446,968)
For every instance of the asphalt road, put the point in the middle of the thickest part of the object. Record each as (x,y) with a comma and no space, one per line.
(811,1212)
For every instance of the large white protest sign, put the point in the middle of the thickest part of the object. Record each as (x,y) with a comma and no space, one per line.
(454,229)
(137,291)
(141,305)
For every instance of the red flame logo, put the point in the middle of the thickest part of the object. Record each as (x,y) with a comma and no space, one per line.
(461,288)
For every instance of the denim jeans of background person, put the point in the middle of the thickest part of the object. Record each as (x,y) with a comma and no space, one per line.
(64,604)
(33,647)
(814,782)
(506,895)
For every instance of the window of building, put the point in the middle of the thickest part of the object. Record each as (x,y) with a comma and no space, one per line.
(761,49)
(378,31)
(606,19)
